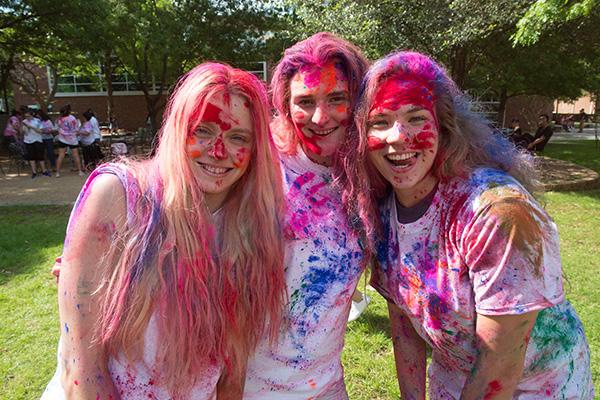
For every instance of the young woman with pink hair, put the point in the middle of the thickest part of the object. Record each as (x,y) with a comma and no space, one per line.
(172,268)
(314,87)
(466,257)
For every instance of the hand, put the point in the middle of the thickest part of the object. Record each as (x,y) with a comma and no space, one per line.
(56,267)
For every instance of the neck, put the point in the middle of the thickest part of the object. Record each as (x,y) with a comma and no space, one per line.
(410,196)
(325,161)
(214,201)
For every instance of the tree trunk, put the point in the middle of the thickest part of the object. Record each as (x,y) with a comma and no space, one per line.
(502,108)
(108,70)
(458,64)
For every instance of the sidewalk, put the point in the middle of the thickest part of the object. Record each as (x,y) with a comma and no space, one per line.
(22,190)
(556,175)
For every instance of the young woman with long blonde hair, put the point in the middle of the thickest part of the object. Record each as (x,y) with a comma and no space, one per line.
(173,267)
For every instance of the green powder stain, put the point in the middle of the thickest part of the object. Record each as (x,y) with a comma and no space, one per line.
(556,332)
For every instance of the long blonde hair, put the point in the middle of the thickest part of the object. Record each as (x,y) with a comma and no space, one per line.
(213,301)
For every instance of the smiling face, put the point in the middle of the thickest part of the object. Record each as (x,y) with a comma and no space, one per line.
(320,110)
(221,146)
(403,139)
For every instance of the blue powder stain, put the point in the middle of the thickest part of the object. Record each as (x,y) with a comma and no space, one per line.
(66,328)
(313,258)
(78,306)
(318,242)
(318,281)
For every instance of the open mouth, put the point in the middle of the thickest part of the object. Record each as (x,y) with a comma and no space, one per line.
(214,171)
(402,160)
(323,132)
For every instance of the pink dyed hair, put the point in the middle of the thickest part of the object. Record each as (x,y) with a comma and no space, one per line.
(466,139)
(317,50)
(213,300)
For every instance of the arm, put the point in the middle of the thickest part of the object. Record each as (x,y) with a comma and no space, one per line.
(85,374)
(501,342)
(409,353)
(231,386)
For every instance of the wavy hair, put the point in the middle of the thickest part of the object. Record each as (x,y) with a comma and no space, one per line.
(467,140)
(214,299)
(317,50)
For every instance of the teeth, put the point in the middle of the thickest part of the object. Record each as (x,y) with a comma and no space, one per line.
(400,157)
(214,170)
(325,132)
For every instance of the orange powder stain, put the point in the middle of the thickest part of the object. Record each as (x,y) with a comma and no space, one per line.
(191,140)
(312,383)
(328,79)
(341,108)
(194,153)
(523,225)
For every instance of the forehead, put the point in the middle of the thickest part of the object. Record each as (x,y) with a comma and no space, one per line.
(394,93)
(312,79)
(233,108)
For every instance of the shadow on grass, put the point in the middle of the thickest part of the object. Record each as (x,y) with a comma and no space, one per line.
(375,323)
(26,232)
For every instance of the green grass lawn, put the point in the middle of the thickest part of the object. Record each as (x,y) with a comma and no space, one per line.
(30,238)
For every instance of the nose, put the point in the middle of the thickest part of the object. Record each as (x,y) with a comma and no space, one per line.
(218,150)
(398,134)
(321,116)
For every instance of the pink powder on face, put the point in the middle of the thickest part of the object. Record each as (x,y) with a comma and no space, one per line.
(212,113)
(493,389)
(310,142)
(395,93)
(374,143)
(423,140)
(218,150)
(240,157)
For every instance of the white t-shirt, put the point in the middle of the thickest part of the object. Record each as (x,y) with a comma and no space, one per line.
(484,246)
(30,135)
(136,381)
(86,133)
(95,128)
(323,264)
(67,130)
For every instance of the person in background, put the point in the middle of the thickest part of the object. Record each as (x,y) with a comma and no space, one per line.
(13,128)
(31,128)
(48,132)
(517,136)
(542,135)
(583,117)
(68,128)
(88,138)
(467,259)
(172,267)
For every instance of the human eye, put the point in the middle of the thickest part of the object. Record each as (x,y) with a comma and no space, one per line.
(417,119)
(304,102)
(240,138)
(203,132)
(338,99)
(378,123)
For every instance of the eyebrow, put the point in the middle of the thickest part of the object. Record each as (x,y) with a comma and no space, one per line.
(415,109)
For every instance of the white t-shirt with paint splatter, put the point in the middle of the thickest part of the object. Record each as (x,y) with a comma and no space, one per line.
(323,265)
(484,246)
(138,380)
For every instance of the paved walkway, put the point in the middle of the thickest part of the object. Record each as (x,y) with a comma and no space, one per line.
(14,190)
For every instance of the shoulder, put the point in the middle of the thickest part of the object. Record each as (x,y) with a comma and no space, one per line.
(104,192)
(482,188)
